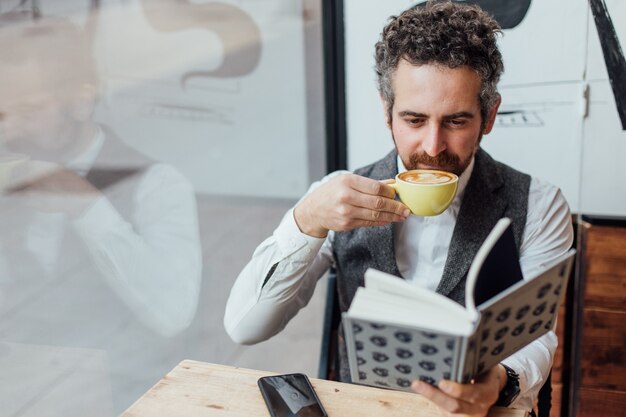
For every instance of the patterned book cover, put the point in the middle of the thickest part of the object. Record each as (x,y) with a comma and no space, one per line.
(389,355)
(521,314)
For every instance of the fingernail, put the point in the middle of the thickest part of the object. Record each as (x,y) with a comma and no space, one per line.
(444,386)
(406,213)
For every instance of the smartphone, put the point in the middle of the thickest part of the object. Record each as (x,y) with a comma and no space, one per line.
(290,395)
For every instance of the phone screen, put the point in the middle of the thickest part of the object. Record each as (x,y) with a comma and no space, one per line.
(290,395)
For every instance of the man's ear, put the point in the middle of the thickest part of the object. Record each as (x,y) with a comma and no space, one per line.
(385,110)
(491,116)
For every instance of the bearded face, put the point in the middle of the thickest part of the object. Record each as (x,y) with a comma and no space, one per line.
(436,120)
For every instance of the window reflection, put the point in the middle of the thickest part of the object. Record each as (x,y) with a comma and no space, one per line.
(100,252)
(146,148)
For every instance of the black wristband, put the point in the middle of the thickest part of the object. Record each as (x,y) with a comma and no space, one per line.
(511,389)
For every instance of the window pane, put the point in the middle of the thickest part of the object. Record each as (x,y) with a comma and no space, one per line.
(146,149)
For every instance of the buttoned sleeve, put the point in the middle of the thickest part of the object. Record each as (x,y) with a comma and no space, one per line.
(278,281)
(152,259)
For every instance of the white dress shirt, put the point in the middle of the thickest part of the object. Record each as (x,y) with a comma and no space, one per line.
(257,310)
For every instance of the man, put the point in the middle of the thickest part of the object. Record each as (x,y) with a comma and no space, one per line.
(99,253)
(438,67)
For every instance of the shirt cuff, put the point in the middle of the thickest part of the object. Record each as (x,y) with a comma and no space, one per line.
(292,243)
(100,219)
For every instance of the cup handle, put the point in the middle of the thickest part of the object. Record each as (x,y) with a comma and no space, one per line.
(392,184)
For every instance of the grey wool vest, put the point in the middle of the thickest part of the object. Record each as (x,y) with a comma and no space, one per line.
(493,191)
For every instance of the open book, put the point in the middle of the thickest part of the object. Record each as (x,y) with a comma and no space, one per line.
(397,332)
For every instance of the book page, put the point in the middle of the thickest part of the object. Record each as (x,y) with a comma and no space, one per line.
(384,283)
(380,307)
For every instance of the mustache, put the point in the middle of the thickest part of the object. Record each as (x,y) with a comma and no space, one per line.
(445,161)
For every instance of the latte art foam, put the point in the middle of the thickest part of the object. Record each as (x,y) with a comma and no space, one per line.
(427,177)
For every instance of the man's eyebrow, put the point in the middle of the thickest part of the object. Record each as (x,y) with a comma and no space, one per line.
(410,113)
(458,115)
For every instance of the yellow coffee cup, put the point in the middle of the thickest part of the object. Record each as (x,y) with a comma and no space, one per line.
(426,192)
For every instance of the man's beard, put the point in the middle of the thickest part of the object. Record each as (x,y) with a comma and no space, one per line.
(445,161)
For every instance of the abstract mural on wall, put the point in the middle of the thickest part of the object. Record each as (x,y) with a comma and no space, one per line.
(238,33)
(510,13)
(613,55)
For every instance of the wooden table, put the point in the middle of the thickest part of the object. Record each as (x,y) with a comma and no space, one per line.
(195,389)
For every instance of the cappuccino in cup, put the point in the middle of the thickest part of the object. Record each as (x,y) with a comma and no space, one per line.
(427,177)
(426,192)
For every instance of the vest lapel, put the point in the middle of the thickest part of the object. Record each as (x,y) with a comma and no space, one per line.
(481,209)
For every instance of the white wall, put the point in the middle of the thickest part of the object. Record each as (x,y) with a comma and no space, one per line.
(603,190)
(546,127)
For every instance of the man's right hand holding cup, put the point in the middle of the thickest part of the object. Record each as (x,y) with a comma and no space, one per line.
(346,202)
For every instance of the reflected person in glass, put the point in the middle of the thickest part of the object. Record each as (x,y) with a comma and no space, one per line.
(99,252)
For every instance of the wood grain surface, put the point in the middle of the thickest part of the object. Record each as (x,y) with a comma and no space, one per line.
(198,389)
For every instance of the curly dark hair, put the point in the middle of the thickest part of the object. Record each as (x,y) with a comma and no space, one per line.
(443,33)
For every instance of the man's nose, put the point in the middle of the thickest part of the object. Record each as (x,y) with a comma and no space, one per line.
(434,142)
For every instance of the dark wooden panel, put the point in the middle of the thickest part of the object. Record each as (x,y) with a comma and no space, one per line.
(608,291)
(605,260)
(608,243)
(603,341)
(598,403)
(601,390)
